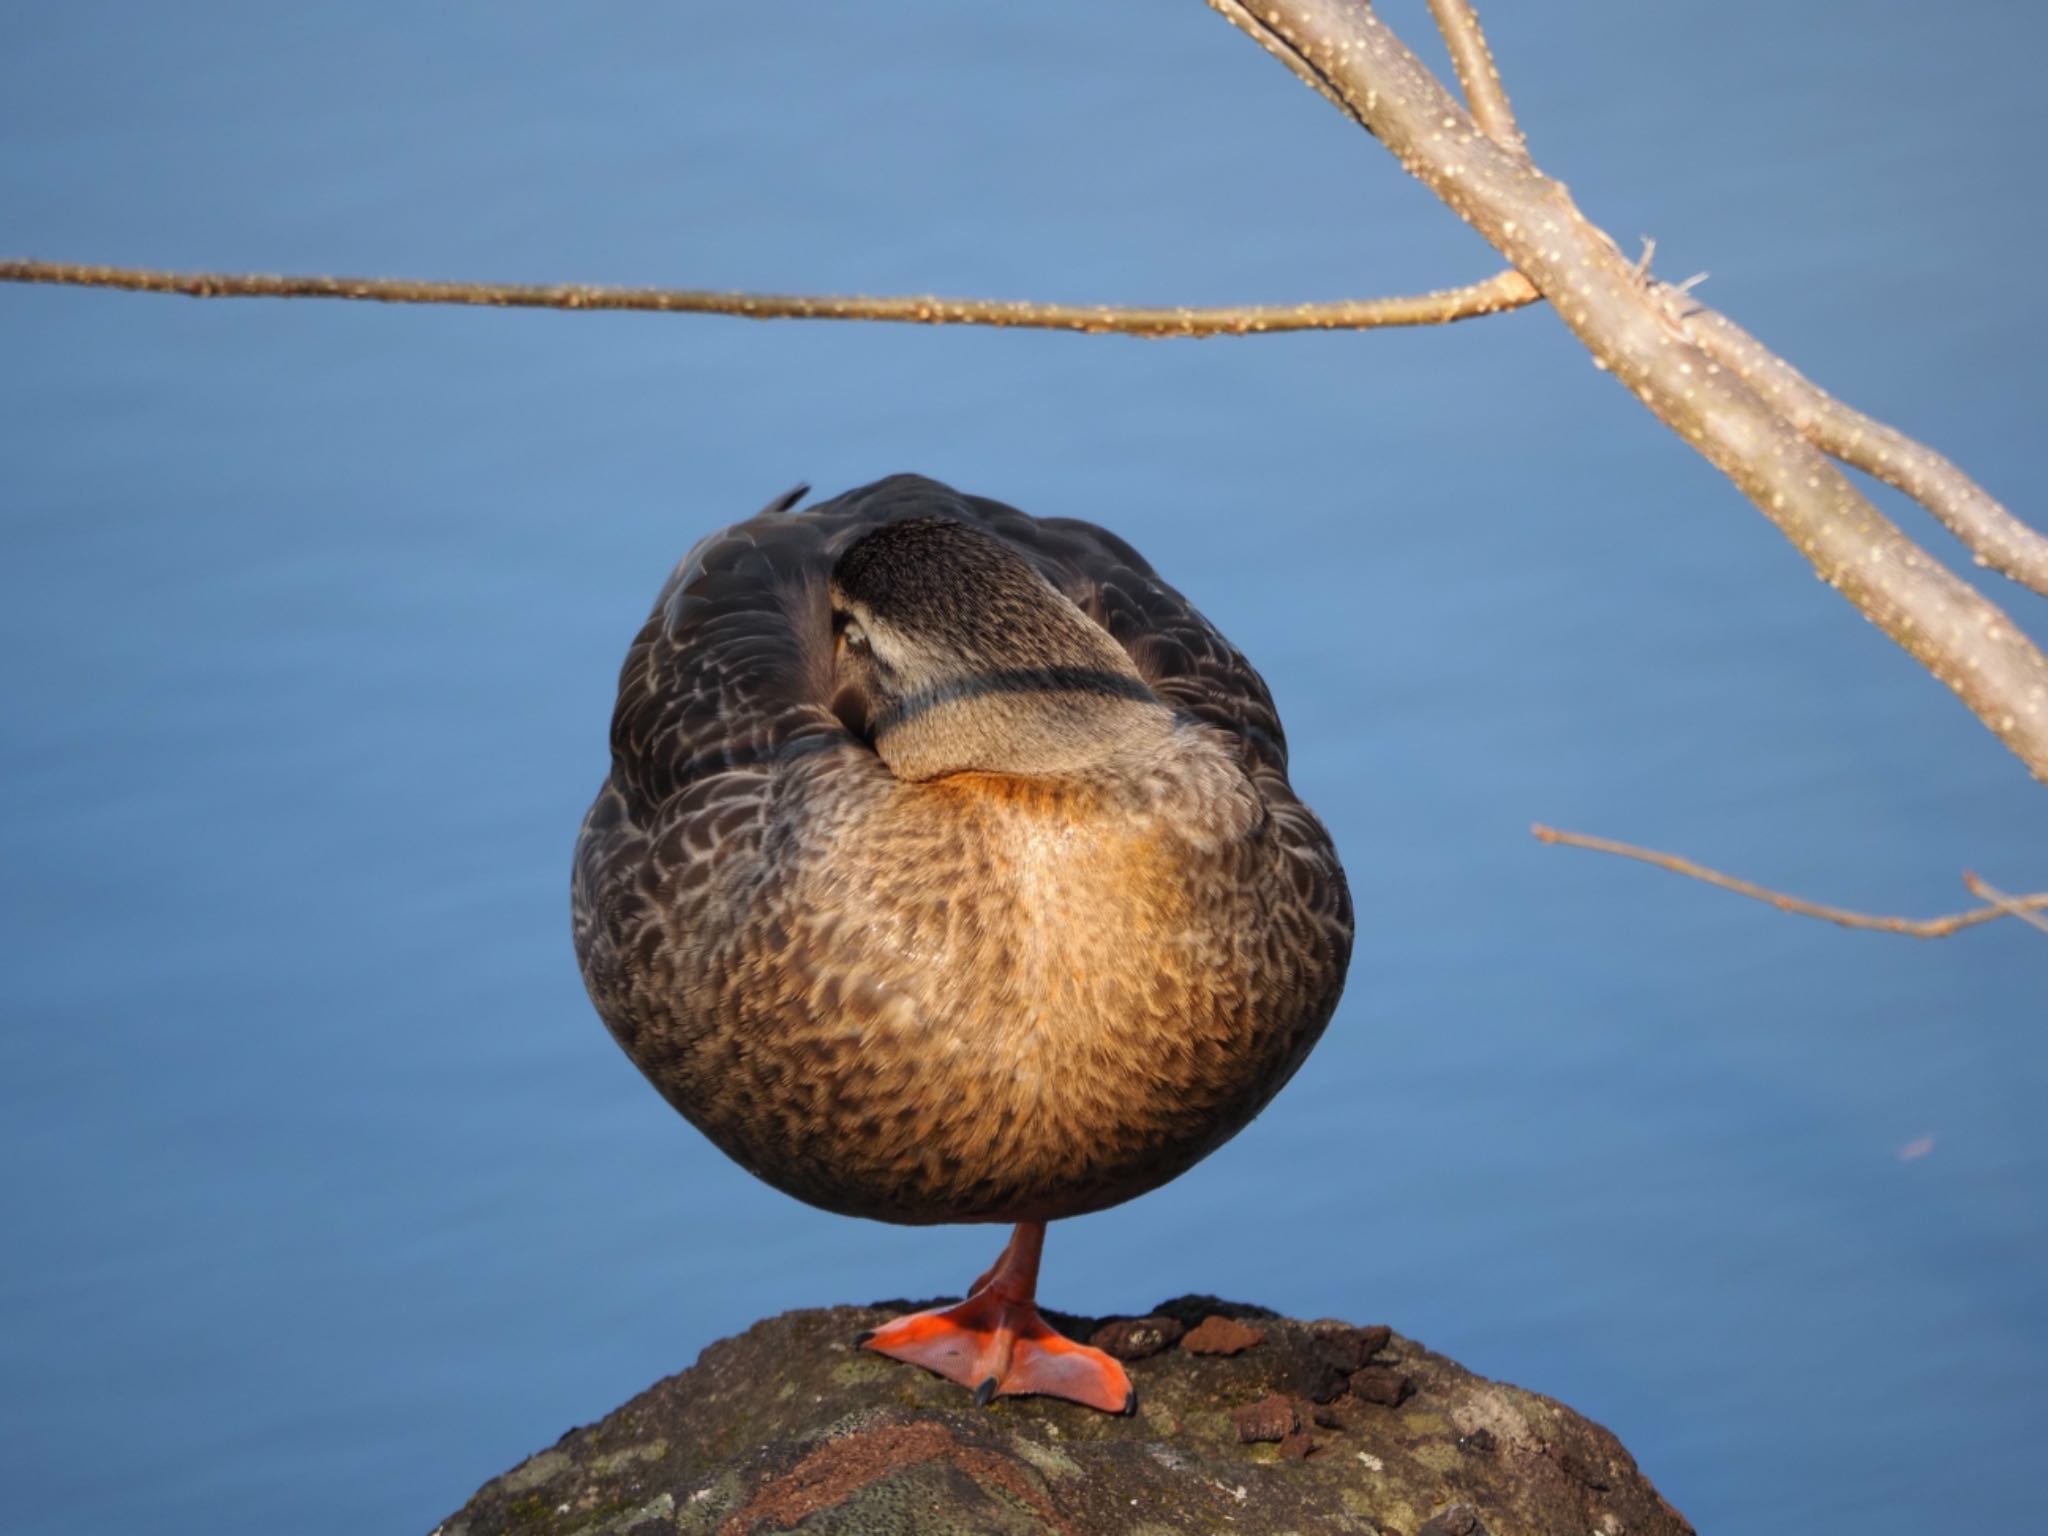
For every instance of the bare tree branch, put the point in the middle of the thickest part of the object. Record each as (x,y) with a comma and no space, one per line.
(1997,538)
(1755,419)
(2022,907)
(1502,291)
(1345,50)
(1473,60)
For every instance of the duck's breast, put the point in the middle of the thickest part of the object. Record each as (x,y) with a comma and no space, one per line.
(996,998)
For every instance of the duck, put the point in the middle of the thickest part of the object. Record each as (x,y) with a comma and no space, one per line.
(947,870)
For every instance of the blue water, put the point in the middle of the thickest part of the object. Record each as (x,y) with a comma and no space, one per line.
(326,1196)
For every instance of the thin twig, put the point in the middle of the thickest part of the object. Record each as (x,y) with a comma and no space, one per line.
(1997,538)
(1502,291)
(1965,640)
(1473,60)
(2014,906)
(2023,907)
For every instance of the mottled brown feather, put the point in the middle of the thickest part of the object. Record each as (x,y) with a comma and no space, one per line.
(980,998)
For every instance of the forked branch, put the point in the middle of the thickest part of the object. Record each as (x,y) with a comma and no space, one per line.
(2025,908)
(1347,53)
(1997,538)
(1502,291)
(1478,76)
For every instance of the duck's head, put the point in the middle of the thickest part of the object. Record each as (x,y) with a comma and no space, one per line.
(952,654)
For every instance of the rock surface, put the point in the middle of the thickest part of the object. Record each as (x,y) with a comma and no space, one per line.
(1311,1427)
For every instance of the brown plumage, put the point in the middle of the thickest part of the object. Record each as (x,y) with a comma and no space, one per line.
(948,871)
(948,868)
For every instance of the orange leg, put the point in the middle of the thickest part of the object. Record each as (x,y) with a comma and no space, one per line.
(996,1343)
(1003,1258)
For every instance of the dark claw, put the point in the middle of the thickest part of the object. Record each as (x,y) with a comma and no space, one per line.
(862,1337)
(1130,1403)
(984,1393)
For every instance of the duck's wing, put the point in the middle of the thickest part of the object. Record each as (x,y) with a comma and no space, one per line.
(733,667)
(727,680)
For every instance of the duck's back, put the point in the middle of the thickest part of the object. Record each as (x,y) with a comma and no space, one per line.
(966,999)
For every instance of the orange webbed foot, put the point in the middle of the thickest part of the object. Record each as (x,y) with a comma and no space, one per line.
(996,1343)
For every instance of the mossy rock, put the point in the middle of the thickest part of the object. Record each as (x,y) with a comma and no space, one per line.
(1316,1427)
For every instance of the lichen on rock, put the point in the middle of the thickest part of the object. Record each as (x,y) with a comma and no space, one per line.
(1316,1426)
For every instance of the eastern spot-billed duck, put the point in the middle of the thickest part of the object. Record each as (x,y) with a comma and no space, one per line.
(948,871)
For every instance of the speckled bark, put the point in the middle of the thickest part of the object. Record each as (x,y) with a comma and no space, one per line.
(1997,539)
(1649,340)
(1314,1427)
(1504,290)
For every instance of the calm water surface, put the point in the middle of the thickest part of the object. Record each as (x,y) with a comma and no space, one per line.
(327,1197)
